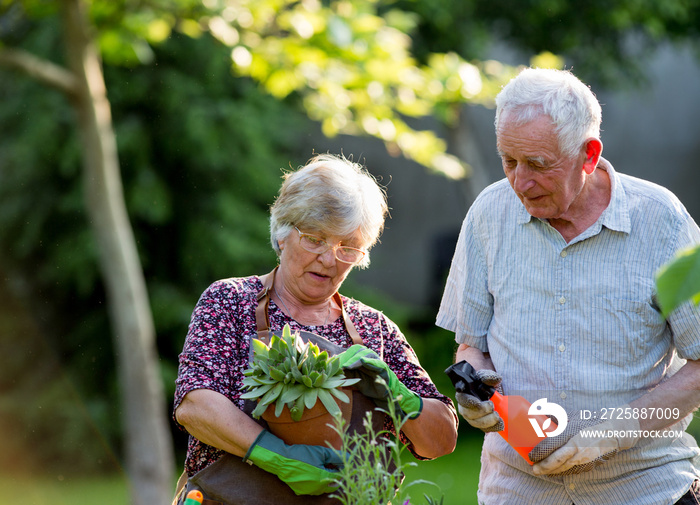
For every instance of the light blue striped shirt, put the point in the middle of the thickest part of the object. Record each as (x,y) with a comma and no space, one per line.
(577,323)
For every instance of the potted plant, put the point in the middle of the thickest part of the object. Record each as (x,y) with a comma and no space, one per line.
(288,379)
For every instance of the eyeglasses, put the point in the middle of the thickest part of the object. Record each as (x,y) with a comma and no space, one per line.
(317,245)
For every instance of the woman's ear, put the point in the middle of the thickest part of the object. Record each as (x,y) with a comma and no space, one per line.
(594,148)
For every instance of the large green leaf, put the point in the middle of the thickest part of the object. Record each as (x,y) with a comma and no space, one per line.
(679,280)
(328,402)
(310,398)
(292,393)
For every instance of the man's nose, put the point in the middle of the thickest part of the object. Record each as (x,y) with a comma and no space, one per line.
(522,178)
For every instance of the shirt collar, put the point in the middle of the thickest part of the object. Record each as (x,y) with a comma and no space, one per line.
(615,217)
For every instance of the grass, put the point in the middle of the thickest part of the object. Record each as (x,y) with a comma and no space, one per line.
(456,474)
(60,490)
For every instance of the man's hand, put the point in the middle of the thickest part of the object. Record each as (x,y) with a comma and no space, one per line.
(571,452)
(478,413)
(307,469)
(359,361)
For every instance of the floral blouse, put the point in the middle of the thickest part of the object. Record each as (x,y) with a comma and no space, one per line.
(217,348)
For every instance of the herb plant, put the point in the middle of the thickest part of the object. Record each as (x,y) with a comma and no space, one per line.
(367,476)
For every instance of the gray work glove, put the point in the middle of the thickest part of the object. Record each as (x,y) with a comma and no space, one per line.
(571,453)
(478,413)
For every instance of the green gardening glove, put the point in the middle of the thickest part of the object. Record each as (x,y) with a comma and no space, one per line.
(307,469)
(359,361)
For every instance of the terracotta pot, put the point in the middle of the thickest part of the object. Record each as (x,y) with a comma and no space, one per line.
(315,426)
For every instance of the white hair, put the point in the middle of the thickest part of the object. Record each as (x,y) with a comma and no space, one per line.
(330,195)
(571,105)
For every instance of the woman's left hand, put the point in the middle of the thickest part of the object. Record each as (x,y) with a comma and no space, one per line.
(360,361)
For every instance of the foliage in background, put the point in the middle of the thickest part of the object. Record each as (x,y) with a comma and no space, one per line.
(352,67)
(605,42)
(202,154)
(679,280)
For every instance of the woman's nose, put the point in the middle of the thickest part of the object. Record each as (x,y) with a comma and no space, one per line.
(327,258)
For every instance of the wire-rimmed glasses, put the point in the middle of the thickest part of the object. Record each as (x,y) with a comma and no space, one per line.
(317,245)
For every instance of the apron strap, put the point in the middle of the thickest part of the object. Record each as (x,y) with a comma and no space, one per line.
(262,319)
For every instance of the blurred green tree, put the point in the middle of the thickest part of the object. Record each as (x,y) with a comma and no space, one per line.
(605,41)
(201,154)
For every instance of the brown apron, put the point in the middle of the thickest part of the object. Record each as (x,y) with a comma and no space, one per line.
(230,481)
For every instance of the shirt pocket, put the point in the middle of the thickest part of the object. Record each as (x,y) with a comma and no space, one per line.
(625,330)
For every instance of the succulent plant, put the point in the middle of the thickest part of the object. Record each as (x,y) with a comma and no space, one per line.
(294,373)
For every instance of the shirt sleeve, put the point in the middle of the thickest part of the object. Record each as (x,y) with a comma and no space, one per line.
(214,353)
(467,305)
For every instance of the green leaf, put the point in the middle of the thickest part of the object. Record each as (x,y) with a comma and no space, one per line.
(297,410)
(333,366)
(257,381)
(279,407)
(272,395)
(320,380)
(264,366)
(257,392)
(277,374)
(259,409)
(298,376)
(310,397)
(679,280)
(323,357)
(340,395)
(292,393)
(332,383)
(264,380)
(328,402)
(259,348)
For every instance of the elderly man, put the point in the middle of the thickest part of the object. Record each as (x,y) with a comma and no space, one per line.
(551,295)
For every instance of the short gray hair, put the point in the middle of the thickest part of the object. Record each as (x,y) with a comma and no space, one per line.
(572,106)
(332,195)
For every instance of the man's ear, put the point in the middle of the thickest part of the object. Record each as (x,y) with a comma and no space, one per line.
(594,148)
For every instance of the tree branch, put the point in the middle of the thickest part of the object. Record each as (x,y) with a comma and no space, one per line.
(40,69)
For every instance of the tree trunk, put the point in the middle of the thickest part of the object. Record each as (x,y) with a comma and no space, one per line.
(148,446)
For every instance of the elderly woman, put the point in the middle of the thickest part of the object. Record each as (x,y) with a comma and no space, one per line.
(327,216)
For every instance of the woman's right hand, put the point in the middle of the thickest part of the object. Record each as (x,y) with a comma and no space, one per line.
(306,469)
(213,419)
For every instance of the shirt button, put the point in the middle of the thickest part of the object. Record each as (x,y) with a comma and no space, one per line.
(562,300)
(572,486)
(562,348)
(563,254)
(562,395)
